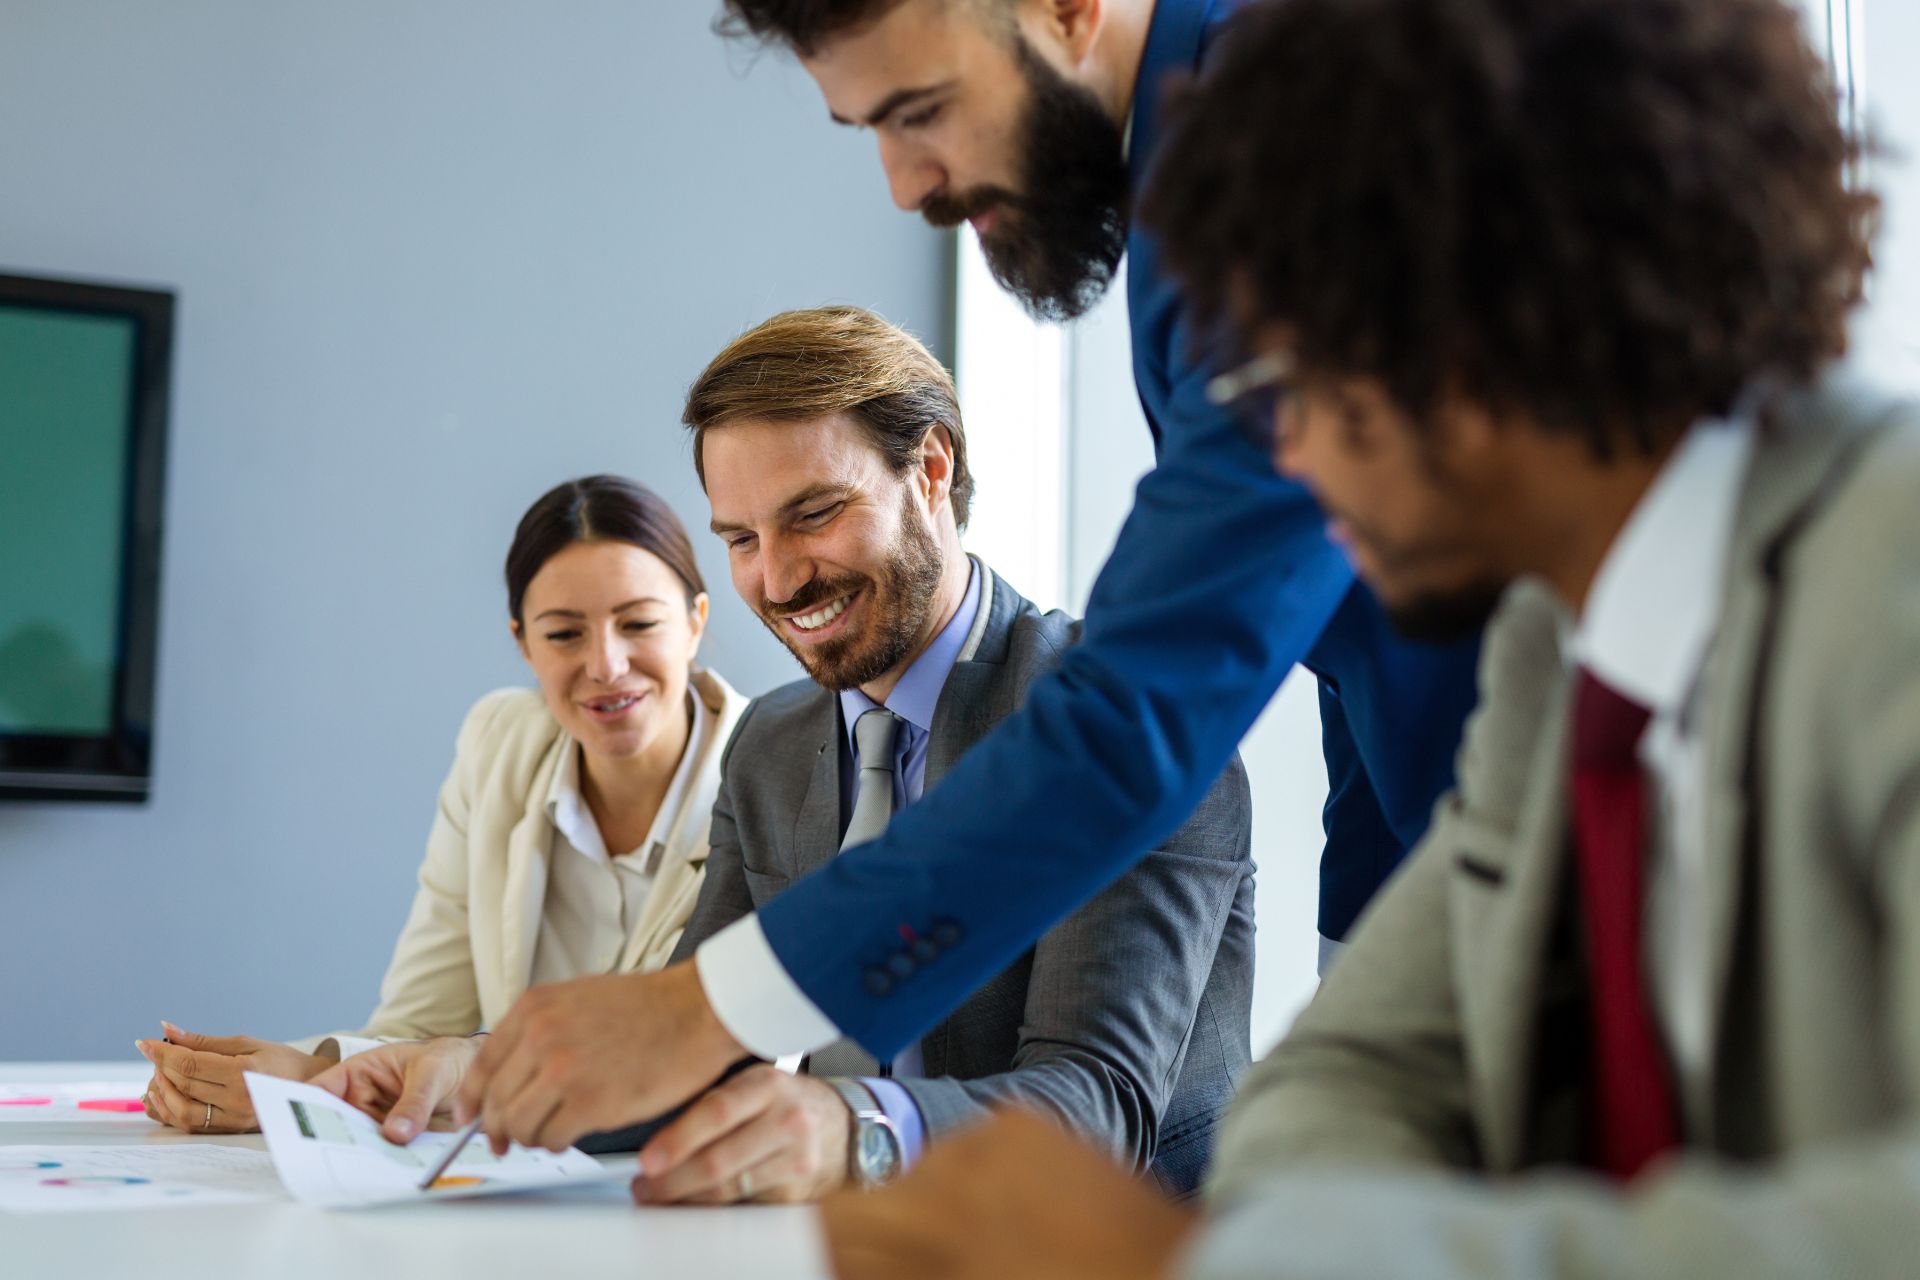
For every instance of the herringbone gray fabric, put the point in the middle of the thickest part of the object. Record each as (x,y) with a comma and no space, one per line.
(1128,1020)
(876,732)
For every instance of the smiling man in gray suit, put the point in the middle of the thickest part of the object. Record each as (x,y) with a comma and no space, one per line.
(832,452)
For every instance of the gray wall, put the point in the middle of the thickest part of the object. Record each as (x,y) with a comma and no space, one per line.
(432,257)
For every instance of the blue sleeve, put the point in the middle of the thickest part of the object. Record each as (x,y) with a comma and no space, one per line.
(1221,579)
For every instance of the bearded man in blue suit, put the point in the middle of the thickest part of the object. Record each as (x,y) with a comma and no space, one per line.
(1035,120)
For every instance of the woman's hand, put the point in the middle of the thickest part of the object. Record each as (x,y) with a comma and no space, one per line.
(408,1086)
(197,1085)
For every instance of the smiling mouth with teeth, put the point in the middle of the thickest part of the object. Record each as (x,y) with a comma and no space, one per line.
(821,617)
(609,706)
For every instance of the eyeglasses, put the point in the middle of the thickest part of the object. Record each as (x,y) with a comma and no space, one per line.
(1258,390)
(1261,373)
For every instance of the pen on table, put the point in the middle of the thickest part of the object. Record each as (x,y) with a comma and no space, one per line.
(453,1152)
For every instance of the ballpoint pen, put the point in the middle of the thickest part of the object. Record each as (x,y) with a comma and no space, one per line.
(453,1152)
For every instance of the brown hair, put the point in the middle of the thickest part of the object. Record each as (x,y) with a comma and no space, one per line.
(829,360)
(598,509)
(1610,216)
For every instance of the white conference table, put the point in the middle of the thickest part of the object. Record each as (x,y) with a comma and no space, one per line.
(580,1231)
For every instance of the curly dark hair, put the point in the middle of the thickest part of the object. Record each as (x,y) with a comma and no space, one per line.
(1610,216)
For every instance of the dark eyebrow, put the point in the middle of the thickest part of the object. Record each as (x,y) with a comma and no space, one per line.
(892,103)
(812,494)
(807,497)
(575,613)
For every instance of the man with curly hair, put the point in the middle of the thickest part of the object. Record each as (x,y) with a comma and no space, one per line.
(1543,298)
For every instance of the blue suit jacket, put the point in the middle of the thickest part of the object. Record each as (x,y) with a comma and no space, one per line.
(1221,580)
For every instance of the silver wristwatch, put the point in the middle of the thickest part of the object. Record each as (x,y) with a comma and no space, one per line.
(873,1152)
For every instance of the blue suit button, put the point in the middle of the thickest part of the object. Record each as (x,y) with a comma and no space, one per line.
(901,963)
(924,950)
(879,982)
(946,933)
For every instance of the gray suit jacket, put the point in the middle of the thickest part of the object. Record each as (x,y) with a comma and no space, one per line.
(1451,1036)
(1128,1020)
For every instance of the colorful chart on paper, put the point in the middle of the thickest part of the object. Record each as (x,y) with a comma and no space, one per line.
(42,1179)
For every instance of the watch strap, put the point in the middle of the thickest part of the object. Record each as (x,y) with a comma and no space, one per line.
(868,1115)
(857,1096)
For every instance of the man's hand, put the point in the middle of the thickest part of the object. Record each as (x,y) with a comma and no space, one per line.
(408,1086)
(197,1085)
(593,1054)
(1014,1197)
(761,1135)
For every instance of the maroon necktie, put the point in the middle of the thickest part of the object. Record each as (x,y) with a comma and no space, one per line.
(1634,1118)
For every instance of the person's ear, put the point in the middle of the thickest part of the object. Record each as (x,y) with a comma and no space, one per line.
(936,467)
(1070,26)
(519,638)
(697,623)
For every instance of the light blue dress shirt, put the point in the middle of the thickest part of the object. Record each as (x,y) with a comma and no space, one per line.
(913,700)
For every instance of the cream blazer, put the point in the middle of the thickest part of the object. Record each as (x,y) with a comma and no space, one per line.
(466,953)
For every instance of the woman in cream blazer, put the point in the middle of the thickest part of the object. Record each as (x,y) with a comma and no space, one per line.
(617,750)
(468,949)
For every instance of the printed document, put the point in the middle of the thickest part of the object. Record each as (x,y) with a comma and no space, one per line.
(332,1155)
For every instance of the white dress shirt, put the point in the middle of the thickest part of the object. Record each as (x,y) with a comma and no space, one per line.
(594,899)
(1647,628)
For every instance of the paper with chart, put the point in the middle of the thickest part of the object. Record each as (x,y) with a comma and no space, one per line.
(105,1101)
(331,1155)
(181,1175)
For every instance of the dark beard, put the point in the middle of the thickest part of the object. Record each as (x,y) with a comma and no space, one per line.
(1056,245)
(1439,618)
(898,607)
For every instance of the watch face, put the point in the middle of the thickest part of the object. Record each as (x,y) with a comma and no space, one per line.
(879,1153)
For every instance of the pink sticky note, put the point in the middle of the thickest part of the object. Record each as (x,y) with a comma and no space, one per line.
(26,1102)
(113,1104)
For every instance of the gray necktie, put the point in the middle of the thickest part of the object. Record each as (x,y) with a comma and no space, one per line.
(875,733)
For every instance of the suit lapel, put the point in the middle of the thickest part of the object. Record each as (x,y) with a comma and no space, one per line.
(529,848)
(1516,948)
(816,827)
(1806,443)
(1728,710)
(979,691)
(1515,767)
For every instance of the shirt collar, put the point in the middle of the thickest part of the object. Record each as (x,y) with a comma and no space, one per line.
(567,808)
(918,692)
(1651,613)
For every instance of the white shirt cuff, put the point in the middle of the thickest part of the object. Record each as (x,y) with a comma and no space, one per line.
(753,996)
(346,1046)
